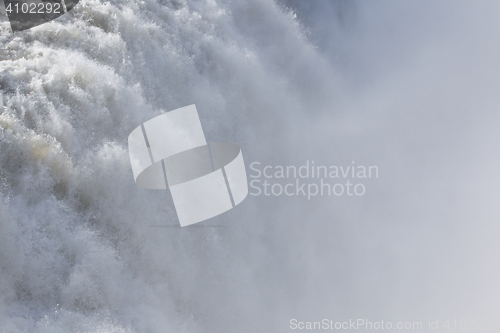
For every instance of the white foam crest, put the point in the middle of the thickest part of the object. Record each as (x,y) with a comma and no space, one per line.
(79,253)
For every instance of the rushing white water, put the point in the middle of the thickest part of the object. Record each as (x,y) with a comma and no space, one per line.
(78,252)
(82,248)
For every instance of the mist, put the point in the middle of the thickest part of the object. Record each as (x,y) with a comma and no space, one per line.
(409,87)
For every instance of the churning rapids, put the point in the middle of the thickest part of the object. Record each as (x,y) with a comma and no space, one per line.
(410,88)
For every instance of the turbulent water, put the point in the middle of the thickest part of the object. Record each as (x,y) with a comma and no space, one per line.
(82,249)
(79,250)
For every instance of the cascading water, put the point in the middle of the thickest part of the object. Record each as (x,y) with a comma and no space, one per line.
(83,249)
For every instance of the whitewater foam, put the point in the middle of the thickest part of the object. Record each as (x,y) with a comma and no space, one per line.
(77,253)
(82,249)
